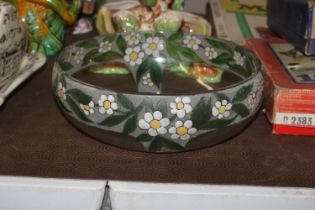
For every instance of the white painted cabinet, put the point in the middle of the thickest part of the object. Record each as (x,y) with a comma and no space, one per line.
(22,193)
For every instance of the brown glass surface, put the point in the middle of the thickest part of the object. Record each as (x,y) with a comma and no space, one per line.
(37,140)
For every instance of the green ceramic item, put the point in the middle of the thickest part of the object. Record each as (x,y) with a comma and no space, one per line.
(132,16)
(46,21)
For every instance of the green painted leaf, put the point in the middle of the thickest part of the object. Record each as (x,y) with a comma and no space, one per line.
(65,66)
(160,35)
(242,93)
(109,37)
(221,96)
(121,44)
(217,123)
(249,66)
(147,35)
(76,109)
(155,146)
(219,44)
(170,145)
(189,54)
(201,113)
(156,73)
(114,120)
(131,124)
(176,36)
(240,50)
(125,102)
(106,57)
(89,43)
(162,107)
(223,58)
(144,138)
(143,68)
(172,51)
(62,79)
(239,70)
(240,109)
(138,109)
(79,96)
(87,58)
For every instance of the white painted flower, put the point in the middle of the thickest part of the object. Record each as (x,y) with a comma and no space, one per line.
(192,42)
(239,59)
(211,53)
(133,38)
(105,46)
(182,130)
(147,80)
(154,123)
(78,56)
(221,109)
(134,56)
(153,46)
(88,109)
(67,55)
(107,104)
(252,100)
(61,91)
(181,106)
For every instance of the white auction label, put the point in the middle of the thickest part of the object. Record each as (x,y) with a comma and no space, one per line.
(295,119)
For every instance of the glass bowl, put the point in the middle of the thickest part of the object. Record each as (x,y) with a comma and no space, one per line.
(158,92)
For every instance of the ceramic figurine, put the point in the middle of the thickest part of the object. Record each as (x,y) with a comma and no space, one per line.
(150,15)
(158,92)
(46,21)
(83,26)
(15,63)
(165,4)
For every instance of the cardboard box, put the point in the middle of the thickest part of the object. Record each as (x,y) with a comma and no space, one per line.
(295,21)
(290,86)
(238,20)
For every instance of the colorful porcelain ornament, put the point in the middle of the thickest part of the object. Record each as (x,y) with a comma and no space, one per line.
(15,64)
(155,120)
(132,16)
(46,21)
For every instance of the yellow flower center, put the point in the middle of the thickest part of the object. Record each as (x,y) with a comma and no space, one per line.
(61,94)
(107,104)
(192,42)
(180,105)
(105,46)
(86,107)
(133,38)
(222,109)
(134,56)
(155,124)
(152,46)
(182,130)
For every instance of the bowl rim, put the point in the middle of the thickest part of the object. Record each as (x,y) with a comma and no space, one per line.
(254,73)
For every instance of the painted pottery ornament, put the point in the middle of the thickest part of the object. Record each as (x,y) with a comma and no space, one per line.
(132,16)
(46,21)
(15,63)
(153,91)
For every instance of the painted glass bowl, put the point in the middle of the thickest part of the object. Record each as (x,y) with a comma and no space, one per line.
(158,92)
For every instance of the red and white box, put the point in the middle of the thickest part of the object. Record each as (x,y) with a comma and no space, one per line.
(290,86)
